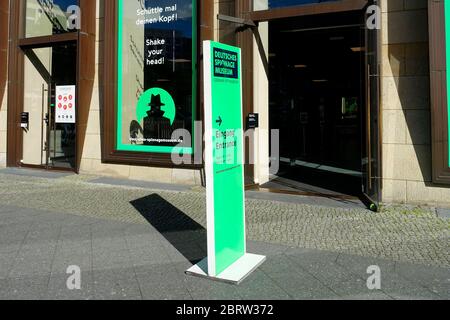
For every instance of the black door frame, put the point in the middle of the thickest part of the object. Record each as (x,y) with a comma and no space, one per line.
(249,19)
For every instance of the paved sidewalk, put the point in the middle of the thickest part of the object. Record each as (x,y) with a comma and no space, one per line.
(132,242)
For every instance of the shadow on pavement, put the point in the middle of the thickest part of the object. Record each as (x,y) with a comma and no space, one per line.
(186,235)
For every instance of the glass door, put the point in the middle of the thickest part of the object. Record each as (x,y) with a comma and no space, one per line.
(49,139)
(371,152)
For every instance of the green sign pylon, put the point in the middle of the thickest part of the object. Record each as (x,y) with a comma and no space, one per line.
(227,259)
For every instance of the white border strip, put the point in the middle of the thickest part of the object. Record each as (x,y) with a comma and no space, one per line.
(242,152)
(209,161)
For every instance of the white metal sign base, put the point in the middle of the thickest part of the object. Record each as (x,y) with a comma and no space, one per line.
(235,274)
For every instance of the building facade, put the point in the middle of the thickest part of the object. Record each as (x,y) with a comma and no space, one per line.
(350,95)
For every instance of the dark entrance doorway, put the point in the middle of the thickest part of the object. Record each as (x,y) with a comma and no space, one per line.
(317,99)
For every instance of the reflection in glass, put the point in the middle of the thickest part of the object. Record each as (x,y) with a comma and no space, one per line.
(47,17)
(272,4)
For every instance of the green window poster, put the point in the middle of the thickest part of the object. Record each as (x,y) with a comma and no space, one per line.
(447,46)
(157,52)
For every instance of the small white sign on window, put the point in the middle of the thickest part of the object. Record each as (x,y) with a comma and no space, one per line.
(65,105)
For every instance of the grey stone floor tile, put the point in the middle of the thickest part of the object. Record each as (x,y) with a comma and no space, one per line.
(42,248)
(58,289)
(368,295)
(162,282)
(116,284)
(185,252)
(6,263)
(111,243)
(109,260)
(358,265)
(140,184)
(76,221)
(12,240)
(147,256)
(160,291)
(27,265)
(133,229)
(75,233)
(13,221)
(6,209)
(106,227)
(132,259)
(18,226)
(310,257)
(62,262)
(6,248)
(260,287)
(143,240)
(265,249)
(176,255)
(434,279)
(342,281)
(78,247)
(24,288)
(398,287)
(34,173)
(297,282)
(204,289)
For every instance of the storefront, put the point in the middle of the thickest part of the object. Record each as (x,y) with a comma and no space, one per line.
(343,106)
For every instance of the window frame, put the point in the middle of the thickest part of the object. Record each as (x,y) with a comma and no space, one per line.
(438,93)
(110,154)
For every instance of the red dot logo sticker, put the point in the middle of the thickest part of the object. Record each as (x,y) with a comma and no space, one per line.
(65,107)
(60,105)
(70,97)
(65,99)
(60,97)
(70,106)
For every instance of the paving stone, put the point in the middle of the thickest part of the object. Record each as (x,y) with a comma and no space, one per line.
(34,173)
(162,283)
(116,284)
(6,263)
(140,184)
(30,263)
(148,256)
(341,281)
(434,279)
(58,289)
(139,242)
(298,283)
(24,288)
(62,262)
(204,289)
(110,260)
(260,287)
(398,287)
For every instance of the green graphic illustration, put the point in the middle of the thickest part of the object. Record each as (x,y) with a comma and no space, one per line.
(146,103)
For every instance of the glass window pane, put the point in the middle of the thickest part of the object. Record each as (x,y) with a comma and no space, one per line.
(47,17)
